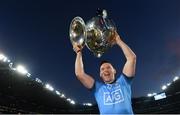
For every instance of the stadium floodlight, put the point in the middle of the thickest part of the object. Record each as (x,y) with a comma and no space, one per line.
(57,92)
(68,99)
(176,78)
(38,80)
(87,104)
(164,87)
(28,75)
(168,84)
(63,96)
(49,87)
(5,59)
(2,56)
(149,94)
(21,69)
(72,102)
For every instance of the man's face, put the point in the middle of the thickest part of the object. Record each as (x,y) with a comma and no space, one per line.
(107,72)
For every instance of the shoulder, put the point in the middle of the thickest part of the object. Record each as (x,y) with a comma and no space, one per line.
(96,86)
(124,78)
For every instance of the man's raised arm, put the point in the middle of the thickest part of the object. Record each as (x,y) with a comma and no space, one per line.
(130,65)
(84,78)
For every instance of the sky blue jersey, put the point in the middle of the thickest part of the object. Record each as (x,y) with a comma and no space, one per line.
(114,98)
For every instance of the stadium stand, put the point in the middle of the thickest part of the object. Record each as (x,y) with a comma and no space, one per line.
(168,105)
(20,94)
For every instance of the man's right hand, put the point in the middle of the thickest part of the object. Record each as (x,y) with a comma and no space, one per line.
(77,48)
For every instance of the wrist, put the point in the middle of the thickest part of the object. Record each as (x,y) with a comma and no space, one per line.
(119,41)
(79,51)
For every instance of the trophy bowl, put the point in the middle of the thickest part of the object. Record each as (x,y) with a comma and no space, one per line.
(77,32)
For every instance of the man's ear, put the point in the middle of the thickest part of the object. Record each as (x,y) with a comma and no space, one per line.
(114,70)
(100,74)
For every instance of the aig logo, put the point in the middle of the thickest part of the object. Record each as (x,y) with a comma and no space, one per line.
(113,97)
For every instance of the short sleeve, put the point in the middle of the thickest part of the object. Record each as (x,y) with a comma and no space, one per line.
(125,79)
(95,86)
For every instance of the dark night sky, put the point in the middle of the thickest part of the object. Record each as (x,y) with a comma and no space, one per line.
(36,34)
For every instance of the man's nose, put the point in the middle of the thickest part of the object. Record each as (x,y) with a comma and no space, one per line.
(105,71)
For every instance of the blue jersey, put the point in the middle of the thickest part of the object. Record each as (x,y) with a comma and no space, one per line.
(114,98)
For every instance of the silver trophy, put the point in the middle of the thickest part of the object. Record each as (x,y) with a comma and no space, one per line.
(97,34)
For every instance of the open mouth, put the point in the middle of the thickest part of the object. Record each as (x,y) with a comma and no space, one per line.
(106,74)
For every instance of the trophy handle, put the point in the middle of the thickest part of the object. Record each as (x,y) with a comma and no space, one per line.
(77,32)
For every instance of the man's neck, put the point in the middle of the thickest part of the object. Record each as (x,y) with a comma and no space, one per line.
(111,82)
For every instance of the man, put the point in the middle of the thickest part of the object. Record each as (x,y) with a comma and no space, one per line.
(113,95)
